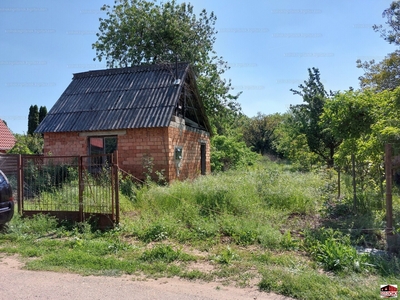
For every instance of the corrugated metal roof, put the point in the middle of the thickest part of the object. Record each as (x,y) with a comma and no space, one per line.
(136,97)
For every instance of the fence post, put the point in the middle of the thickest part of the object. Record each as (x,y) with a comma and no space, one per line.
(116,185)
(20,185)
(81,187)
(391,238)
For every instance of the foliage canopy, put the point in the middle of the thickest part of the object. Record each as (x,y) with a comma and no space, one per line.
(259,132)
(380,75)
(384,75)
(392,15)
(306,117)
(143,32)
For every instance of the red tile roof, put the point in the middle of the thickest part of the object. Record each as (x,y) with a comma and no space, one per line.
(7,139)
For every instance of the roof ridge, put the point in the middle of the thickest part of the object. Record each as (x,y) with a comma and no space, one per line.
(121,90)
(114,109)
(133,69)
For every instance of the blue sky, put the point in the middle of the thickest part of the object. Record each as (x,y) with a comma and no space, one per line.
(268,44)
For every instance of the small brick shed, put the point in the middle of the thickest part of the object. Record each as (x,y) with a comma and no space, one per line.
(148,112)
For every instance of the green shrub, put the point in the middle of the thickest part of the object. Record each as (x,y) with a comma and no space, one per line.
(230,153)
(334,252)
(128,188)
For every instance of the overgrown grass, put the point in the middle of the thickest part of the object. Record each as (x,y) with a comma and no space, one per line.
(95,198)
(266,227)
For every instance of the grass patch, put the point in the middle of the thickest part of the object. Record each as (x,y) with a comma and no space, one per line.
(268,227)
(165,253)
(312,285)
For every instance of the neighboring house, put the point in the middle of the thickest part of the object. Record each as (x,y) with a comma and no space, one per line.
(7,139)
(146,112)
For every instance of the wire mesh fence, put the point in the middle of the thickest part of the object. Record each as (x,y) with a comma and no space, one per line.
(53,183)
(70,187)
(50,184)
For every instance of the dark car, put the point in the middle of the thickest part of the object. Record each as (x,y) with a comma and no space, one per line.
(6,200)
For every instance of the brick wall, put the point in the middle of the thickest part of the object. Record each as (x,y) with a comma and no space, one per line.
(137,147)
(190,141)
(65,144)
(140,146)
(159,145)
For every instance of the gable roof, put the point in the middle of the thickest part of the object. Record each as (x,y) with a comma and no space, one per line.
(136,97)
(7,139)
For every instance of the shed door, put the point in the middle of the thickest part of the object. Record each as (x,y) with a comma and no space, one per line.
(203,158)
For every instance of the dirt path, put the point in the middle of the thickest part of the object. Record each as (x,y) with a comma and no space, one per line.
(17,283)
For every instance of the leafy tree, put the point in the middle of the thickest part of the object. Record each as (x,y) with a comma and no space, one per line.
(383,75)
(33,118)
(348,115)
(306,117)
(259,132)
(392,15)
(144,32)
(366,121)
(292,145)
(386,129)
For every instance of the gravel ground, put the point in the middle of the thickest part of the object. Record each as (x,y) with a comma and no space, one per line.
(17,283)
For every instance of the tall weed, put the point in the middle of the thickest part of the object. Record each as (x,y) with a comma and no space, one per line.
(333,250)
(240,205)
(293,191)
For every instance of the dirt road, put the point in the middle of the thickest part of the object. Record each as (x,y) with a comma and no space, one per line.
(17,283)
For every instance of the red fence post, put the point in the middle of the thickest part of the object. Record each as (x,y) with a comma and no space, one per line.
(81,187)
(116,185)
(20,185)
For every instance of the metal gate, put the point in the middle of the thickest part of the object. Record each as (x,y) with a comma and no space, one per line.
(73,188)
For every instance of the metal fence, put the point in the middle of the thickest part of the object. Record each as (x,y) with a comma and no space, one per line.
(73,188)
